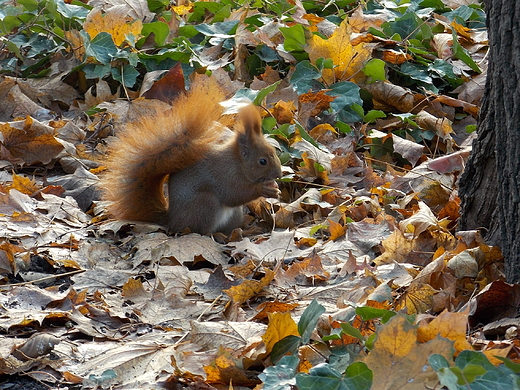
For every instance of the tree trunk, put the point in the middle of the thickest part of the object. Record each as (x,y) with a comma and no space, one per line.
(489,187)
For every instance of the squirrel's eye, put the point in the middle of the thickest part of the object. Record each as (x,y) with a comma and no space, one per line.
(262,161)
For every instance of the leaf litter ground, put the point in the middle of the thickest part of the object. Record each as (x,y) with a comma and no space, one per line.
(365,224)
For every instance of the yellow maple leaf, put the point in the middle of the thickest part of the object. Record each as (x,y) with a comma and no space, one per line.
(114,22)
(448,325)
(399,361)
(280,325)
(249,288)
(418,298)
(348,59)
(24,185)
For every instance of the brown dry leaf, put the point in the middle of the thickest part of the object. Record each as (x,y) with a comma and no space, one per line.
(443,44)
(398,361)
(496,301)
(143,361)
(494,354)
(133,289)
(167,87)
(410,150)
(29,142)
(423,219)
(39,344)
(280,325)
(302,271)
(116,22)
(312,104)
(279,246)
(266,308)
(452,102)
(311,170)
(362,22)
(454,162)
(435,195)
(182,250)
(349,60)
(226,369)
(249,288)
(452,326)
(440,126)
(465,264)
(392,95)
(7,263)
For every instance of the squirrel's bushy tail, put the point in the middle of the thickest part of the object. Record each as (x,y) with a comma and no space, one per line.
(158,145)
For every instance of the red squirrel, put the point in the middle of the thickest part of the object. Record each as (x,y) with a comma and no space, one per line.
(211,175)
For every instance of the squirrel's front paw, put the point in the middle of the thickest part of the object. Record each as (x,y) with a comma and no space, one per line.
(270,189)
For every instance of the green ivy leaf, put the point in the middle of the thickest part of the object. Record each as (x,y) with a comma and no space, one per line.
(304,77)
(461,53)
(369,313)
(372,115)
(281,376)
(287,345)
(102,47)
(159,29)
(264,92)
(309,319)
(294,37)
(357,377)
(128,77)
(375,70)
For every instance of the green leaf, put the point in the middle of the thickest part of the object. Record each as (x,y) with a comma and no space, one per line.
(287,345)
(294,37)
(461,53)
(304,77)
(369,313)
(159,29)
(264,92)
(416,72)
(202,8)
(438,362)
(281,376)
(375,70)
(357,377)
(343,127)
(309,319)
(372,115)
(96,71)
(406,26)
(351,331)
(347,94)
(30,5)
(70,11)
(128,77)
(473,370)
(218,30)
(102,47)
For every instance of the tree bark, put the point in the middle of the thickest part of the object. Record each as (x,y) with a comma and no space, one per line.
(490,186)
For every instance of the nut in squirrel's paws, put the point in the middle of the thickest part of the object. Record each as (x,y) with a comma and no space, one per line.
(270,189)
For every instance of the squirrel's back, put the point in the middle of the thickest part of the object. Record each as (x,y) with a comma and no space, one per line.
(156,146)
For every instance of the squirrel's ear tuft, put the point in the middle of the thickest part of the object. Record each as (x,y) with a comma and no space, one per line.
(251,120)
